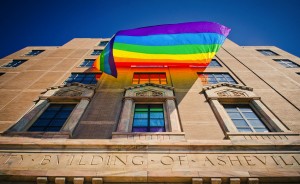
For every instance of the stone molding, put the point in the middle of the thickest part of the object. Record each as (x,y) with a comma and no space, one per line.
(227,91)
(227,84)
(68,91)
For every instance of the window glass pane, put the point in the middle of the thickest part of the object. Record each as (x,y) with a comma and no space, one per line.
(240,122)
(157,129)
(156,107)
(144,78)
(141,107)
(140,122)
(58,122)
(235,115)
(42,122)
(230,108)
(244,130)
(261,130)
(141,114)
(221,80)
(245,108)
(53,129)
(139,129)
(157,122)
(250,115)
(156,114)
(256,122)
(85,78)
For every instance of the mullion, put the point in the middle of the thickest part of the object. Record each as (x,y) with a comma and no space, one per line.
(250,126)
(215,77)
(139,77)
(148,120)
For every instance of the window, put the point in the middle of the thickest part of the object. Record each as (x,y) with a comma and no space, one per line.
(214,64)
(14,63)
(148,118)
(245,119)
(268,53)
(96,52)
(103,43)
(287,63)
(87,63)
(84,78)
(53,118)
(34,52)
(138,115)
(156,78)
(214,78)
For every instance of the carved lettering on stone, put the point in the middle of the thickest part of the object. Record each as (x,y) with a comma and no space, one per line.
(46,161)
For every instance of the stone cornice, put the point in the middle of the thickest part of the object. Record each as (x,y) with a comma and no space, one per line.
(228,85)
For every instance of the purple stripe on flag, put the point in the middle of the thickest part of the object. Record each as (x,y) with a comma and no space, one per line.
(189,27)
(111,60)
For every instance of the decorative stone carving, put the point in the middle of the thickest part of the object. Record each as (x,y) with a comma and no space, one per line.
(226,91)
(149,93)
(149,90)
(231,93)
(68,92)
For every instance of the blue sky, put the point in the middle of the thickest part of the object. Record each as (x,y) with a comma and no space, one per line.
(55,22)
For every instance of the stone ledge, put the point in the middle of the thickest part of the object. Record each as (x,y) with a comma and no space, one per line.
(275,136)
(49,135)
(149,136)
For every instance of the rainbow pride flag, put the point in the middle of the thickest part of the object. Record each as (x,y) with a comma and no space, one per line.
(183,44)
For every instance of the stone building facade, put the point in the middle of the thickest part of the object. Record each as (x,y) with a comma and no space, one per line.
(236,121)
